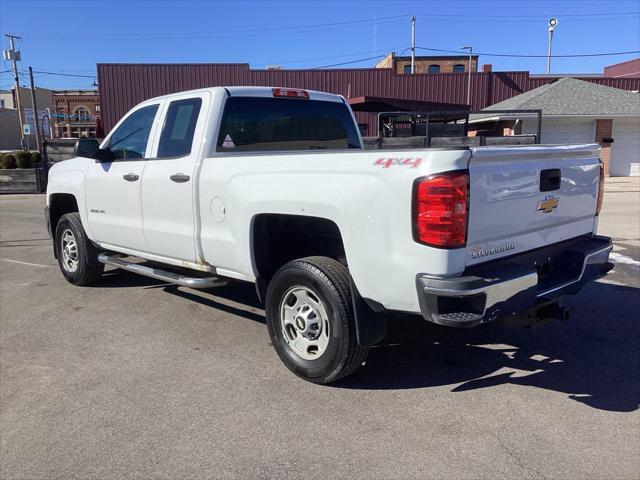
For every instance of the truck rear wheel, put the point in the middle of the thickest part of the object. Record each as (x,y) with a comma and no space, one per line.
(310,319)
(77,258)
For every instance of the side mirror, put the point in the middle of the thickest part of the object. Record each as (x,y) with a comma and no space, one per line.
(86,147)
(104,155)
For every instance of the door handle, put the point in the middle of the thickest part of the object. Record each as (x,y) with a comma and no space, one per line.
(131,177)
(179,178)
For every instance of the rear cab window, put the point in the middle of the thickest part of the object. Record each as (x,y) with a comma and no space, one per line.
(279,124)
(176,138)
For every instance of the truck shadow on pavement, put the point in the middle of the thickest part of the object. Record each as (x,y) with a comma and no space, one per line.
(594,357)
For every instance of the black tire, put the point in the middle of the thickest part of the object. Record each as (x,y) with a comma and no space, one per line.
(329,281)
(87,270)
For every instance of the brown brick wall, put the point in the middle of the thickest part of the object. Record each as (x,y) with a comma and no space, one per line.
(67,102)
(422,63)
(386,62)
(604,129)
(446,65)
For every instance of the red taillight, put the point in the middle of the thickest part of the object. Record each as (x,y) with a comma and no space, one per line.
(290,93)
(600,189)
(440,206)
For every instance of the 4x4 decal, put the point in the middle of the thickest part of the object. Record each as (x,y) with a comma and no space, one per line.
(389,162)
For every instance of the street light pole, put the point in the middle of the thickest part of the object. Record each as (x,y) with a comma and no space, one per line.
(468,74)
(552,24)
(413,44)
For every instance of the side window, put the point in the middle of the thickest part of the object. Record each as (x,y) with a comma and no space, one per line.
(434,68)
(129,141)
(177,134)
(458,68)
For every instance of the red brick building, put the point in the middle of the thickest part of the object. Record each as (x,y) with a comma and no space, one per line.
(76,113)
(429,64)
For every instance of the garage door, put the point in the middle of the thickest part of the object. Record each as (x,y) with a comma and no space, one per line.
(625,151)
(568,131)
(563,131)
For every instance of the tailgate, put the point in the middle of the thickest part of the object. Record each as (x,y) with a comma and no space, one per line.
(522,198)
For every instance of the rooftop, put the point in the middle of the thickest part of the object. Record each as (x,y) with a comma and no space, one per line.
(570,96)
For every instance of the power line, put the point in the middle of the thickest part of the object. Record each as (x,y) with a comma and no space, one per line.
(284,30)
(288,62)
(575,55)
(40,72)
(293,29)
(349,63)
(542,15)
(583,17)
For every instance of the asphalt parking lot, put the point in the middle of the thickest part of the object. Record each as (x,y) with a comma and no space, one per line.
(133,378)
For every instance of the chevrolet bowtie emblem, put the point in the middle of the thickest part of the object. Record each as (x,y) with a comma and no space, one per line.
(548,204)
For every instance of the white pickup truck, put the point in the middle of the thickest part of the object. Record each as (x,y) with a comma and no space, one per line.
(272,186)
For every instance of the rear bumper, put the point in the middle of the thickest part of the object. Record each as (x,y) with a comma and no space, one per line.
(513,285)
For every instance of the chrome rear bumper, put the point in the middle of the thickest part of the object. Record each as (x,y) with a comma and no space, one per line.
(513,285)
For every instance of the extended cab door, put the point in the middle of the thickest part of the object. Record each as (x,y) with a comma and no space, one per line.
(169,179)
(113,188)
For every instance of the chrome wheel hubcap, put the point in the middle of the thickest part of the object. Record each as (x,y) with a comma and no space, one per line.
(69,251)
(304,322)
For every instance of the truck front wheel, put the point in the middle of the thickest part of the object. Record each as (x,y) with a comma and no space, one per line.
(76,256)
(310,319)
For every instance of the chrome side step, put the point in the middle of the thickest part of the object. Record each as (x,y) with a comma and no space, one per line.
(164,275)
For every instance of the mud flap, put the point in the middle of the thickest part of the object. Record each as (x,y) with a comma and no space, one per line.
(371,325)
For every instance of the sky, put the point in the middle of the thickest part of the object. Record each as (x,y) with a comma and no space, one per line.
(70,37)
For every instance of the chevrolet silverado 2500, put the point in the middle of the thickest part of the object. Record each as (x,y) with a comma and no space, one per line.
(272,186)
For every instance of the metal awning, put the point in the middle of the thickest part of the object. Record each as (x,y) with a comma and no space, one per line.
(368,103)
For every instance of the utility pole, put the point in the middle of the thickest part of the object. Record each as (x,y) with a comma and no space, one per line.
(35,111)
(468,74)
(413,44)
(14,57)
(552,24)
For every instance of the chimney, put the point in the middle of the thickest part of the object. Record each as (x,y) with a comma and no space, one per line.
(486,68)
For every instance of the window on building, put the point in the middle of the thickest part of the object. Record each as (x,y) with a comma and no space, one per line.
(177,133)
(434,68)
(407,69)
(81,114)
(2,103)
(458,68)
(129,141)
(262,124)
